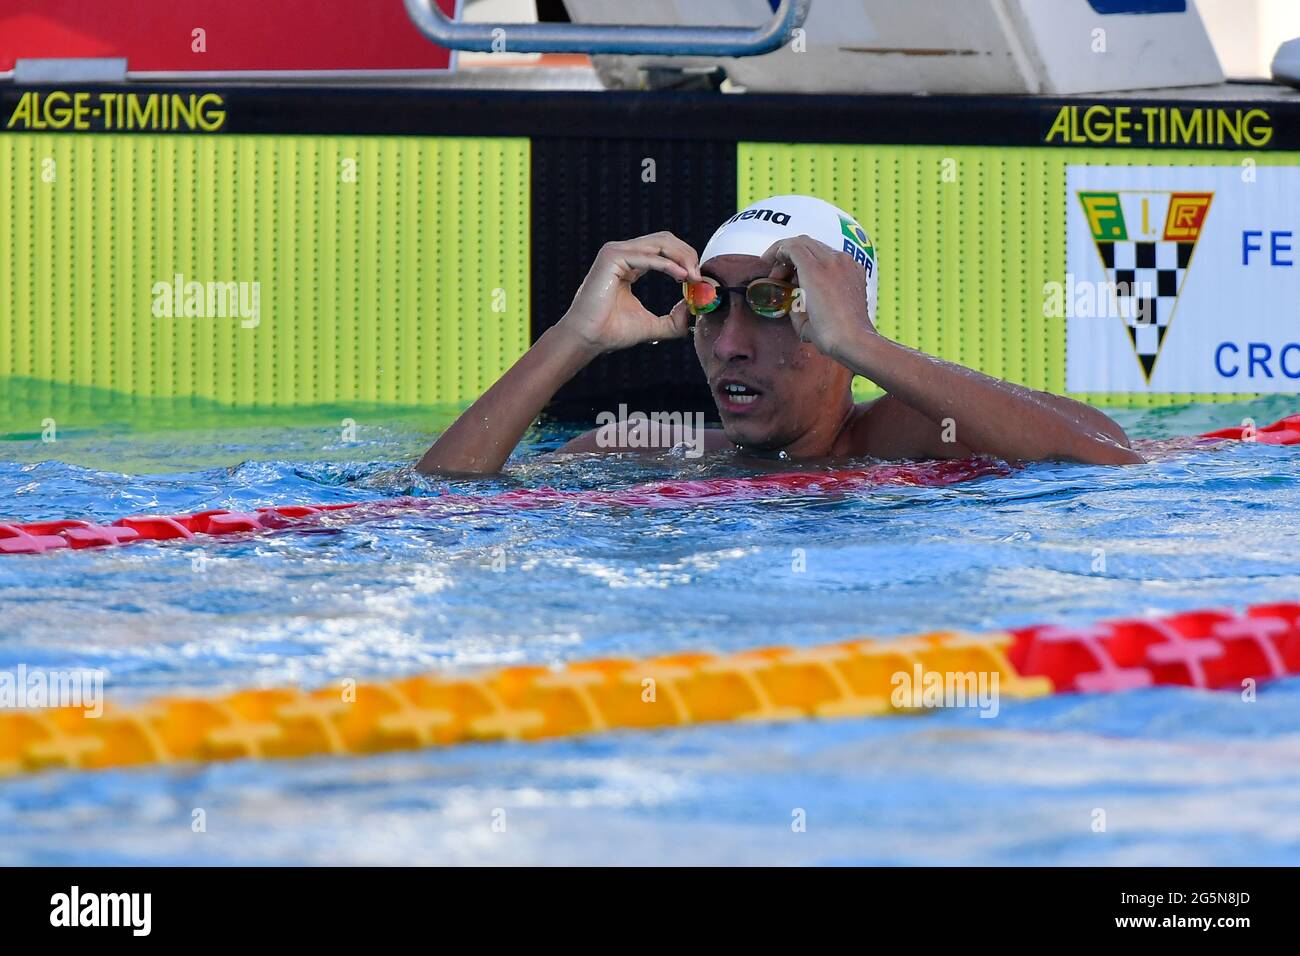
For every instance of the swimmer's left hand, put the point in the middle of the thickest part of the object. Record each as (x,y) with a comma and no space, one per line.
(832,310)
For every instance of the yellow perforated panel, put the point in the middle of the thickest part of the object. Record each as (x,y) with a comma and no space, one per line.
(389,270)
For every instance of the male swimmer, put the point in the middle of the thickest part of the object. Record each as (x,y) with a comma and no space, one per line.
(781,305)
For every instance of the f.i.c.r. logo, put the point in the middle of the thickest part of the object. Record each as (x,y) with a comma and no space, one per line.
(1146,241)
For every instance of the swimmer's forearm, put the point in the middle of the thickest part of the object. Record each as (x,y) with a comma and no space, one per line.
(988,415)
(482,438)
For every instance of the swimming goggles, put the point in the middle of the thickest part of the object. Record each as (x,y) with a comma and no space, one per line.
(770,298)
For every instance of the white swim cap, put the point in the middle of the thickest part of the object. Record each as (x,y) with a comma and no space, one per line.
(752,230)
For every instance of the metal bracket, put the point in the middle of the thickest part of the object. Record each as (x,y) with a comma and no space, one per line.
(595,38)
(70,70)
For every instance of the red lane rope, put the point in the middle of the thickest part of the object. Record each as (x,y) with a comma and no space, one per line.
(41,536)
(1207,649)
(1284,431)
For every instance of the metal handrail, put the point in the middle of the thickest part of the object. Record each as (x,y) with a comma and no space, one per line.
(608,38)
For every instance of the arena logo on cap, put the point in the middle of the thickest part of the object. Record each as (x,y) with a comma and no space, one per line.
(766,215)
(857,244)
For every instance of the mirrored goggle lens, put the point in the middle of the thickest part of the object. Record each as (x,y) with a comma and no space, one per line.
(769,299)
(701,297)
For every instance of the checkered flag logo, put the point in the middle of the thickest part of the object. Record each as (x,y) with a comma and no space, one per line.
(1146,266)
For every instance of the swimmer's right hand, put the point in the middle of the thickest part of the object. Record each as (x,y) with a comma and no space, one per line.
(606,315)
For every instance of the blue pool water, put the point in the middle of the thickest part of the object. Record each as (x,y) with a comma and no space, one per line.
(1183,776)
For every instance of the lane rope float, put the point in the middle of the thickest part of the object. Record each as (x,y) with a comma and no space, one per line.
(43,536)
(1212,649)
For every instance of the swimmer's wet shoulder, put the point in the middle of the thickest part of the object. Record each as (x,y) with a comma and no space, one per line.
(780,308)
(883,428)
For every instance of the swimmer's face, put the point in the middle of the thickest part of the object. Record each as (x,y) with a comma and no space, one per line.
(771,389)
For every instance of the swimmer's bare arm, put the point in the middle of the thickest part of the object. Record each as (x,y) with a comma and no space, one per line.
(986,415)
(605,316)
(944,410)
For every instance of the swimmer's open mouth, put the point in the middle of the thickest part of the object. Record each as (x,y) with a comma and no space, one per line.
(734,395)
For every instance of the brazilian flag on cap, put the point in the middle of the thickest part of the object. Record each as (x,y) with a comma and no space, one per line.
(856,233)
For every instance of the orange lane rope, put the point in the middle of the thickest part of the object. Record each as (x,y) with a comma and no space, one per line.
(855,678)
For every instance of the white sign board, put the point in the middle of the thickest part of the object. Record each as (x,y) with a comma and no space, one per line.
(1181,279)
